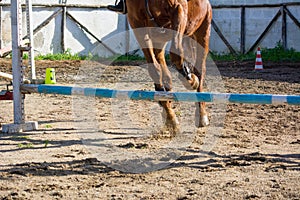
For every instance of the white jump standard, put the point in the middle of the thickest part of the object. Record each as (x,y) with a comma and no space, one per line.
(19,124)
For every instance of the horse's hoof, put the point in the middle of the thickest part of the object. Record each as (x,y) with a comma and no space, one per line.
(194,82)
(204,121)
(173,126)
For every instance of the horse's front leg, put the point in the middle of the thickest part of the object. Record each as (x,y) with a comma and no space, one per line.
(168,112)
(161,76)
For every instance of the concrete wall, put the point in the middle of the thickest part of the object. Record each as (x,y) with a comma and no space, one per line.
(110,27)
(249,2)
(257,19)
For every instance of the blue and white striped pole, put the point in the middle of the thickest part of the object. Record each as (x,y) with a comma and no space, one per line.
(164,96)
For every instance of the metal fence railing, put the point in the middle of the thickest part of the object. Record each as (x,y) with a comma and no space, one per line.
(283,12)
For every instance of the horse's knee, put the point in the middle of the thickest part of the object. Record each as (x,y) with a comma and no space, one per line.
(155,73)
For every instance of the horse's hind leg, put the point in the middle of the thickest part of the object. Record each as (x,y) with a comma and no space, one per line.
(183,64)
(202,36)
(189,79)
(176,51)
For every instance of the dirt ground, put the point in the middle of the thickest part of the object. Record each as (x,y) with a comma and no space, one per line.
(87,148)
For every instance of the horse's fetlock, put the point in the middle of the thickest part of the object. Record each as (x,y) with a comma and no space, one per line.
(186,72)
(159,87)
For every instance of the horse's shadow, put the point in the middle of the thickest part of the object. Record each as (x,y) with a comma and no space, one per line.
(213,162)
(210,162)
(64,168)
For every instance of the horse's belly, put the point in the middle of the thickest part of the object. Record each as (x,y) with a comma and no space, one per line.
(160,34)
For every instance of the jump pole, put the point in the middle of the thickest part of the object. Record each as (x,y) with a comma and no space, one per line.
(6,76)
(163,96)
(10,77)
(19,124)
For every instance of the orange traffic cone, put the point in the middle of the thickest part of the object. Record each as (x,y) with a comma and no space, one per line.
(258,61)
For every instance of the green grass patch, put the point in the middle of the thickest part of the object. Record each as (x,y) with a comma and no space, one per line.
(276,54)
(279,54)
(48,126)
(117,58)
(67,55)
(25,145)
(20,137)
(46,142)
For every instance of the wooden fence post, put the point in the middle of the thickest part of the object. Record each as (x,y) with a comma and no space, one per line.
(283,27)
(243,27)
(63,28)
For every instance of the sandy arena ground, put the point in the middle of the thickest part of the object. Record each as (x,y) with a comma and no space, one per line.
(88,148)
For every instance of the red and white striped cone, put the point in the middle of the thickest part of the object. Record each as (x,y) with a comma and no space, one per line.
(258,61)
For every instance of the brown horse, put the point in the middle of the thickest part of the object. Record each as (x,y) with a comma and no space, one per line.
(151,21)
